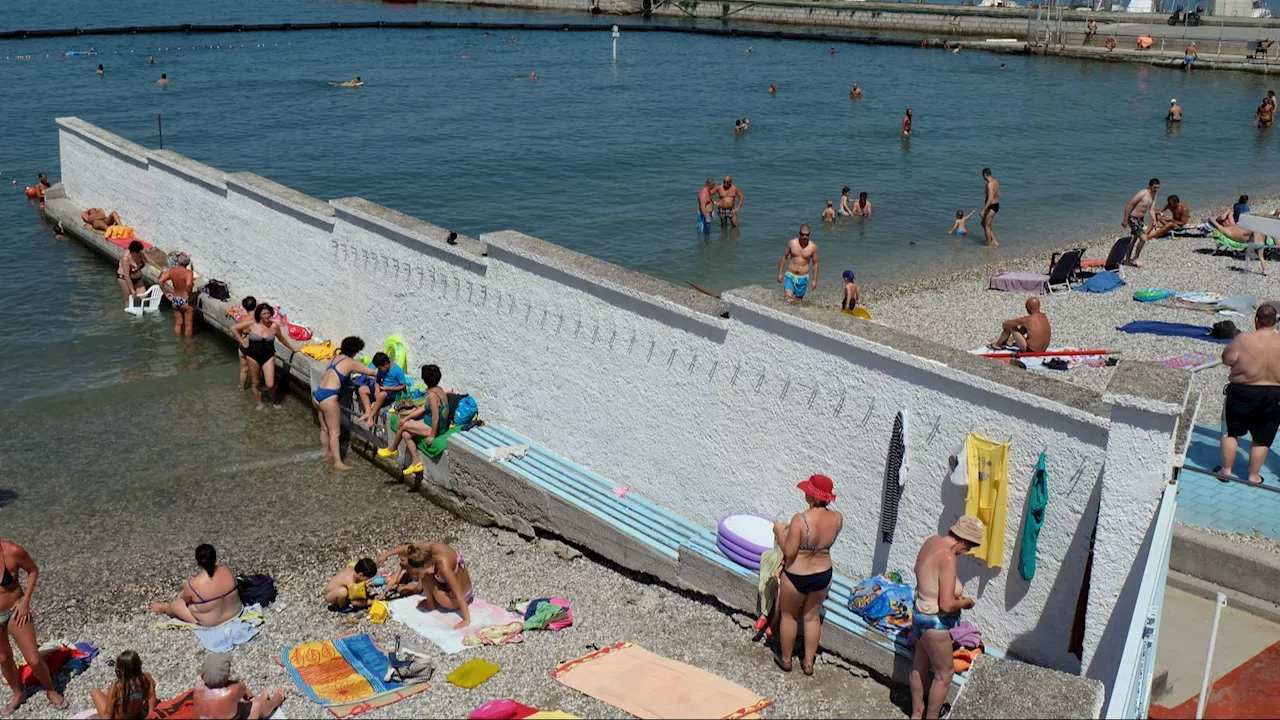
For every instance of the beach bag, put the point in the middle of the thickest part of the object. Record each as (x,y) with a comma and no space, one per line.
(462,410)
(1224,329)
(885,604)
(256,589)
(217,290)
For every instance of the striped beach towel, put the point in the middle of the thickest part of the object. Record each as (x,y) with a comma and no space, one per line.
(892,481)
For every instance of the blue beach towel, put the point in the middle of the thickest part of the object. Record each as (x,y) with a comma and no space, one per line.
(1168,329)
(884,604)
(1103,282)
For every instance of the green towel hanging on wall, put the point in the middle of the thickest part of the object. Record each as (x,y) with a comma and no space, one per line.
(1037,501)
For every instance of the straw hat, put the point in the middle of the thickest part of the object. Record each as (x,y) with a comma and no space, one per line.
(818,487)
(969,529)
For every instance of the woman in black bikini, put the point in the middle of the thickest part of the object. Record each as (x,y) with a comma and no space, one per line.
(806,570)
(129,271)
(16,622)
(209,598)
(257,338)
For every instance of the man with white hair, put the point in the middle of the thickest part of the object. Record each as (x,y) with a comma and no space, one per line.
(180,279)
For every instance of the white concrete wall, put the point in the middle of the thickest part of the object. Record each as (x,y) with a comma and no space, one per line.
(705,415)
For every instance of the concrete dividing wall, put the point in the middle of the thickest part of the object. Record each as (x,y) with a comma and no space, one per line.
(707,407)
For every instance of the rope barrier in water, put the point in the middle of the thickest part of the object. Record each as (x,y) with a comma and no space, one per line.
(189,29)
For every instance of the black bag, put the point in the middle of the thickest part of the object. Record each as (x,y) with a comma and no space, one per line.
(1225,330)
(217,290)
(260,589)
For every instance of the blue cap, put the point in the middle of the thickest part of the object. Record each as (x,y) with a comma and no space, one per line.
(848,275)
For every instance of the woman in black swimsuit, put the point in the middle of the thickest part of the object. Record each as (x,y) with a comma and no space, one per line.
(16,622)
(806,570)
(257,338)
(129,271)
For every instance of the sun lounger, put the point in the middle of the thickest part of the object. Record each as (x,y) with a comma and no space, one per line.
(1115,258)
(1063,270)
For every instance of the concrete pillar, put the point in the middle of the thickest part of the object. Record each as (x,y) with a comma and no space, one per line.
(1147,403)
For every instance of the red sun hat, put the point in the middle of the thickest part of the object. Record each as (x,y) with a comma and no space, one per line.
(818,487)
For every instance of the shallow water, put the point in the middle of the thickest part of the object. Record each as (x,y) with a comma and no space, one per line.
(603,159)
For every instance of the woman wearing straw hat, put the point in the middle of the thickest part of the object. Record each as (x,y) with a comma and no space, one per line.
(806,570)
(939,599)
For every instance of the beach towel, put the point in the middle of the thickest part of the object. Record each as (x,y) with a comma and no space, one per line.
(893,480)
(221,638)
(554,613)
(345,675)
(646,685)
(1037,501)
(181,707)
(1168,329)
(884,604)
(437,626)
(1193,360)
(987,495)
(56,656)
(1019,282)
(1102,282)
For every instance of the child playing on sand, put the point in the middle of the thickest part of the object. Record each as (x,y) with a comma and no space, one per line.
(959,228)
(829,213)
(851,293)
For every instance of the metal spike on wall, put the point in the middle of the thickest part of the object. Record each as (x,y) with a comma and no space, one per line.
(671,359)
(840,405)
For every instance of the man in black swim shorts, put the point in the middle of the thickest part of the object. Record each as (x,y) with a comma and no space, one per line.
(991,206)
(1252,403)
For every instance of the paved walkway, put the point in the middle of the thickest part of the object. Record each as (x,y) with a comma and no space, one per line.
(1206,502)
(1246,660)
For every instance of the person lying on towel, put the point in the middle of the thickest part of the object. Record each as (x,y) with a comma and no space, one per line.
(1173,216)
(99,220)
(1028,333)
(348,588)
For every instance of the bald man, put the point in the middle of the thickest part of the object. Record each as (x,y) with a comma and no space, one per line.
(728,199)
(1028,333)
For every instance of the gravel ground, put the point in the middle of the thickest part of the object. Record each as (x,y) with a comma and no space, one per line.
(959,310)
(114,525)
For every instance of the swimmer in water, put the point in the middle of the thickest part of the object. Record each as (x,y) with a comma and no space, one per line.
(829,213)
(855,92)
(101,70)
(906,123)
(1175,112)
(737,126)
(533,77)
(750,49)
(164,79)
(773,88)
(1001,66)
(357,82)
(746,124)
(862,208)
(151,59)
(958,228)
(844,202)
(832,51)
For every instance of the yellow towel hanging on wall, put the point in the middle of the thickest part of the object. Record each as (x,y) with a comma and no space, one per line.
(988,490)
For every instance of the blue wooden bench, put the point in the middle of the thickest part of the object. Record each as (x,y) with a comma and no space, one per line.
(659,530)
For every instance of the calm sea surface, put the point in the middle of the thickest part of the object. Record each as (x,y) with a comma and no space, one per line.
(605,159)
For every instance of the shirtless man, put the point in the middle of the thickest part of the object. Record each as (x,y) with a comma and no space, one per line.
(180,279)
(799,265)
(1135,218)
(1266,114)
(1243,235)
(855,92)
(164,79)
(1175,112)
(939,599)
(1179,216)
(906,124)
(1252,403)
(990,206)
(218,696)
(1189,57)
(337,594)
(1030,332)
(728,200)
(705,205)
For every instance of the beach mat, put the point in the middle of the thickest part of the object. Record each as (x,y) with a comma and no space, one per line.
(1193,360)
(1168,329)
(344,675)
(437,626)
(634,680)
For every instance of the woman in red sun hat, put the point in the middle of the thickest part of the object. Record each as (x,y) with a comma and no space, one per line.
(806,570)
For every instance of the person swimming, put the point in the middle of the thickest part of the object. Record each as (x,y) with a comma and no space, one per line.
(357,82)
(773,88)
(958,228)
(855,92)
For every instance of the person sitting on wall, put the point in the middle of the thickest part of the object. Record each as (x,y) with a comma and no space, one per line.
(209,598)
(1030,332)
(99,220)
(389,382)
(348,588)
(426,421)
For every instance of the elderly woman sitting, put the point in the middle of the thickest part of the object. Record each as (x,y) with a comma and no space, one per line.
(209,598)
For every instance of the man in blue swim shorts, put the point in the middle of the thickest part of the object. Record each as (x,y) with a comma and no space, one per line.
(799,265)
(939,599)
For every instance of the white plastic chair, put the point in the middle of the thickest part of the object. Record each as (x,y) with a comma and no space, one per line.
(147,302)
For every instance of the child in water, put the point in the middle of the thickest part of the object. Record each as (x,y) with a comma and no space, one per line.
(829,213)
(958,228)
(851,293)
(844,202)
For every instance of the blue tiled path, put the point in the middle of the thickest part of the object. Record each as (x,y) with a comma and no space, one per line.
(1204,501)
